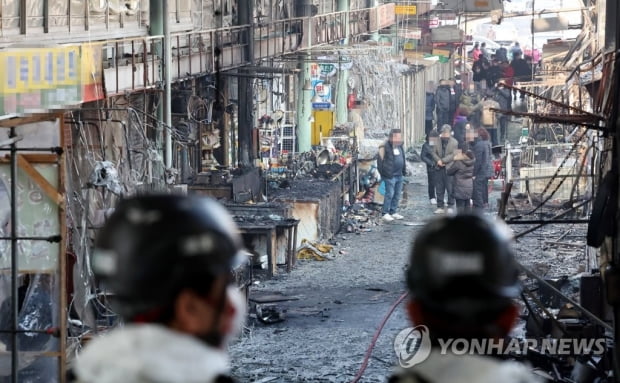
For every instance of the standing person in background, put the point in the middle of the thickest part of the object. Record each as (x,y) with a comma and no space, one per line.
(508,73)
(484,51)
(443,156)
(475,53)
(503,96)
(392,167)
(488,117)
(494,73)
(432,140)
(429,110)
(442,103)
(459,126)
(501,54)
(516,50)
(462,169)
(483,169)
(455,97)
(479,70)
(522,72)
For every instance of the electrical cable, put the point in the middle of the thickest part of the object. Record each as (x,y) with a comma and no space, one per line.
(360,372)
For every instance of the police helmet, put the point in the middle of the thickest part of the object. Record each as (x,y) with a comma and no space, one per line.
(153,246)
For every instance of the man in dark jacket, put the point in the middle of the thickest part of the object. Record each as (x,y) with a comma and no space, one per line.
(442,103)
(494,73)
(501,54)
(522,71)
(443,156)
(483,168)
(392,167)
(503,96)
(432,140)
(429,107)
(479,69)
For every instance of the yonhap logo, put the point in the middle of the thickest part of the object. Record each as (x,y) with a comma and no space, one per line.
(412,346)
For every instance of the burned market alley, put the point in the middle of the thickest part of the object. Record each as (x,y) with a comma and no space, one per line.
(332,308)
(317,322)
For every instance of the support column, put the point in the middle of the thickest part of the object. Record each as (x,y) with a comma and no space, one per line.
(304,109)
(342,112)
(156,28)
(246,147)
(167,100)
(304,96)
(375,35)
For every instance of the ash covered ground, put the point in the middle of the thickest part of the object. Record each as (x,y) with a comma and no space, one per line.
(338,304)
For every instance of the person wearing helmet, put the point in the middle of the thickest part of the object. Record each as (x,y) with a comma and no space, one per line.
(462,279)
(167,261)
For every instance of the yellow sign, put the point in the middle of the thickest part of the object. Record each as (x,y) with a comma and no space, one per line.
(406,10)
(441,52)
(53,77)
(27,70)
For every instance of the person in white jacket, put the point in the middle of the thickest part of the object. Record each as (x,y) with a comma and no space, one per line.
(462,279)
(168,261)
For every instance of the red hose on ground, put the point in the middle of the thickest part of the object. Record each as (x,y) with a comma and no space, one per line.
(360,373)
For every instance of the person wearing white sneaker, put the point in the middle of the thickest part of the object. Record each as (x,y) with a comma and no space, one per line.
(387,218)
(433,201)
(391,166)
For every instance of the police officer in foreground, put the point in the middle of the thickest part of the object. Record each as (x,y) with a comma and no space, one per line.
(167,260)
(462,279)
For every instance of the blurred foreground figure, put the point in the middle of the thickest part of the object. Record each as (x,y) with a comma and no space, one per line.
(168,262)
(462,278)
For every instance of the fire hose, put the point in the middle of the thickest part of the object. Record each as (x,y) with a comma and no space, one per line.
(360,373)
(528,272)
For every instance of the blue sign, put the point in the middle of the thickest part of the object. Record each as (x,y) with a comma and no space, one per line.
(321,105)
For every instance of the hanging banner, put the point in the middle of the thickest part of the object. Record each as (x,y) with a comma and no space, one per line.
(59,77)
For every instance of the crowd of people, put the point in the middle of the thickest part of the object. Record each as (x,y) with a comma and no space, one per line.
(462,125)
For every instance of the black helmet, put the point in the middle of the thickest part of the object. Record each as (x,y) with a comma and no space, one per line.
(463,265)
(153,246)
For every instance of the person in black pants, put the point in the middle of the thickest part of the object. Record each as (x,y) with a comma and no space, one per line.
(429,107)
(443,104)
(432,140)
(443,155)
(483,168)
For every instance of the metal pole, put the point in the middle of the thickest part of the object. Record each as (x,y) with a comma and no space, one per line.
(342,113)
(167,101)
(14,262)
(612,16)
(304,96)
(245,124)
(532,26)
